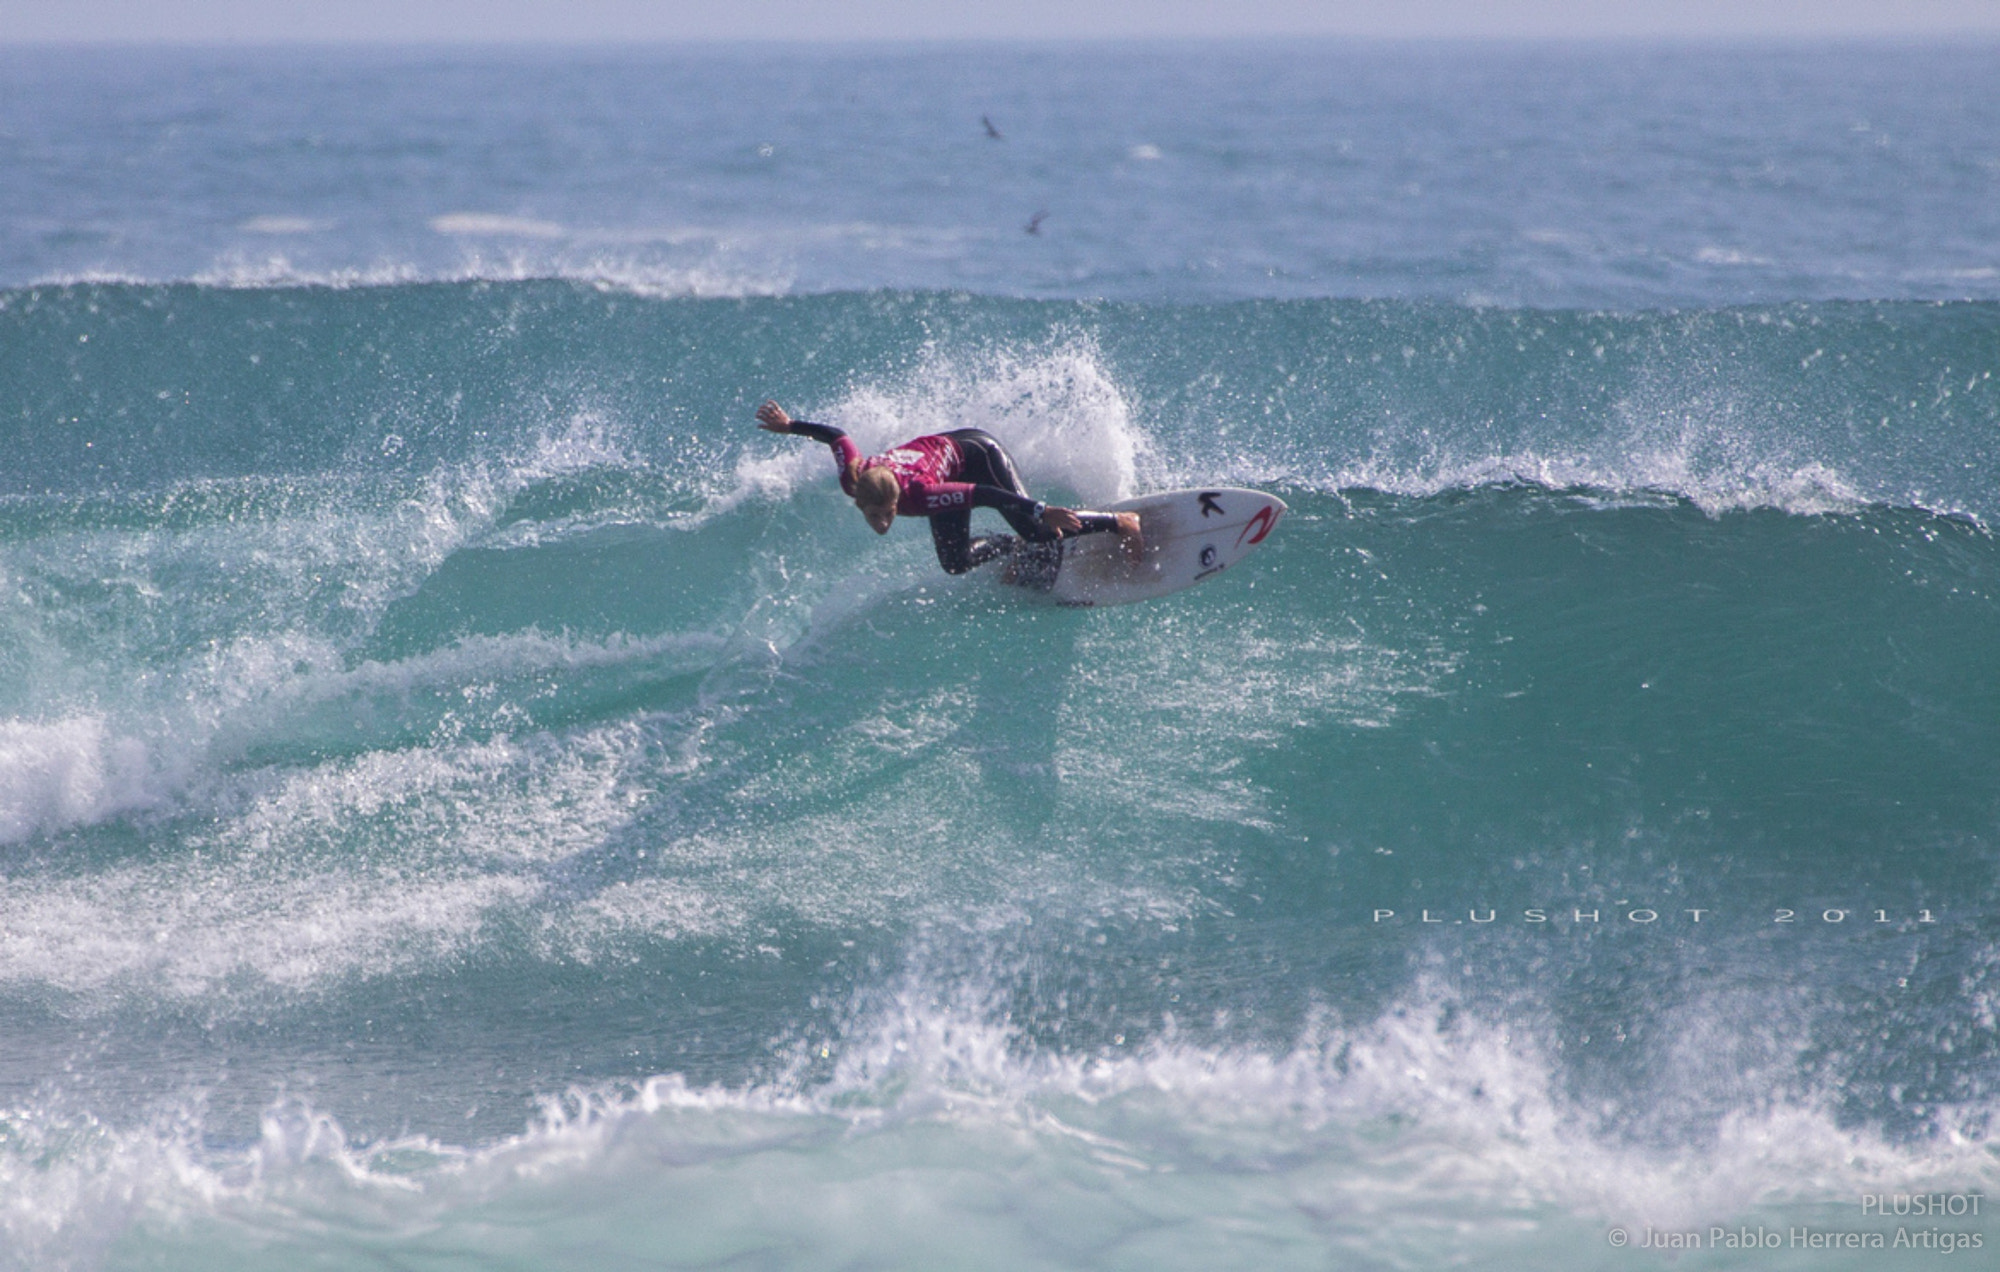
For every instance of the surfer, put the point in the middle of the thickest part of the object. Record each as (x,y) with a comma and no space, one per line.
(944,476)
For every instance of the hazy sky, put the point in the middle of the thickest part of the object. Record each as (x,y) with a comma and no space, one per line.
(542,20)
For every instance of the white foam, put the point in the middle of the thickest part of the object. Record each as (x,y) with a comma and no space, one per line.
(765,476)
(69,772)
(278,639)
(1430,1098)
(284,889)
(1431,1131)
(281,225)
(240,270)
(1712,255)
(375,866)
(639,275)
(71,1186)
(702,282)
(495,224)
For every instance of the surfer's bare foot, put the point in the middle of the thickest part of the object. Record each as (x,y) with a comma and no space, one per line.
(1131,538)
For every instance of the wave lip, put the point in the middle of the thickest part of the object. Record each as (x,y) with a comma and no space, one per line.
(628,274)
(1809,489)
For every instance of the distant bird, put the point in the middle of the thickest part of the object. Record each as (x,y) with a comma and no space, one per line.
(991,131)
(1034,225)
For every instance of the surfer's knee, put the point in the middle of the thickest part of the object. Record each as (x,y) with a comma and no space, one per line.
(963,557)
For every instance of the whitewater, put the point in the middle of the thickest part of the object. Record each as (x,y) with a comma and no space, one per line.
(469,799)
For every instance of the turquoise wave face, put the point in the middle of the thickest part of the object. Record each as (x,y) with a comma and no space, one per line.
(421,702)
(1805,407)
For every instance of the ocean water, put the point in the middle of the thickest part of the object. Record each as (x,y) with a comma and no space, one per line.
(468,799)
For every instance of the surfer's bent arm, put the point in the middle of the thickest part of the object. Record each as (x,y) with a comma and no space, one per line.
(1030,518)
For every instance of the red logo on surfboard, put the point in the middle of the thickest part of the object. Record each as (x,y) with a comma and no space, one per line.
(1261,524)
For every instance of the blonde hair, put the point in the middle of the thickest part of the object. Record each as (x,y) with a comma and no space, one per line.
(876,487)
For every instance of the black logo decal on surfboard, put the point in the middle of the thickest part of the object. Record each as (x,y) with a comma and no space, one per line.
(1210,508)
(1209,561)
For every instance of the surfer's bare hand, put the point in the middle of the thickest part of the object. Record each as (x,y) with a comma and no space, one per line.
(772,418)
(1131,537)
(1061,520)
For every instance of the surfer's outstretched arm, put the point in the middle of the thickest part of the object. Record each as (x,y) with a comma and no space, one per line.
(772,419)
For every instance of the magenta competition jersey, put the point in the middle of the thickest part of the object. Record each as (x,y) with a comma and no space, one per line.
(924,468)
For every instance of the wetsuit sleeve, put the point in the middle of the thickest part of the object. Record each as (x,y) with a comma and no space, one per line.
(1005,501)
(845,452)
(1022,513)
(818,432)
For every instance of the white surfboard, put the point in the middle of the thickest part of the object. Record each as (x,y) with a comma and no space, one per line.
(1190,535)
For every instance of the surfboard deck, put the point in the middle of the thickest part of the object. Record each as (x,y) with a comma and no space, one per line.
(1190,535)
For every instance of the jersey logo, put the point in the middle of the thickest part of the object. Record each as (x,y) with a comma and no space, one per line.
(949,499)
